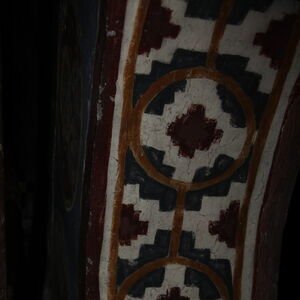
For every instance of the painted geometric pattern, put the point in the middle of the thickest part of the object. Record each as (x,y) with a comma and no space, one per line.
(192,112)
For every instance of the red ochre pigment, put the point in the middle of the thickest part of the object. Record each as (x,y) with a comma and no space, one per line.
(131,226)
(227,224)
(158,17)
(172,294)
(274,42)
(193,131)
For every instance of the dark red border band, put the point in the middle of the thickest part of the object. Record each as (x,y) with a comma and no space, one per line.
(111,18)
(282,177)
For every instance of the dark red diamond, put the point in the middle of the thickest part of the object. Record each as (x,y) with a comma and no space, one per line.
(130,225)
(193,131)
(157,27)
(227,224)
(275,41)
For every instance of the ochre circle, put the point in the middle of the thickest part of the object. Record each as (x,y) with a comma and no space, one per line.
(154,90)
(159,263)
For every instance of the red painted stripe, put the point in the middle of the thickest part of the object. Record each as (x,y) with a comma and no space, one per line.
(112,13)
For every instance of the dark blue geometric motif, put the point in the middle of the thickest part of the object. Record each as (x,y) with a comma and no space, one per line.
(156,157)
(203,9)
(147,253)
(221,266)
(210,10)
(222,162)
(235,67)
(181,59)
(207,290)
(166,96)
(231,65)
(231,106)
(152,279)
(149,188)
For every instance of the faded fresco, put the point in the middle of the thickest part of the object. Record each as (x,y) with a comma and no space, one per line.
(200,93)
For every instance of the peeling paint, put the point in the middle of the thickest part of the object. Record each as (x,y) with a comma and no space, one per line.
(99,110)
(111,33)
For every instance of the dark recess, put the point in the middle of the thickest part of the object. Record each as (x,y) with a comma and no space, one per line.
(28,51)
(289,262)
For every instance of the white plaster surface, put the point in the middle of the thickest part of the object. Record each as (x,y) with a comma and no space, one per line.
(113,160)
(238,40)
(195,35)
(188,38)
(174,277)
(198,91)
(149,212)
(198,222)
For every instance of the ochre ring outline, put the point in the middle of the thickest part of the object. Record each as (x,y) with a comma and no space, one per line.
(159,263)
(156,88)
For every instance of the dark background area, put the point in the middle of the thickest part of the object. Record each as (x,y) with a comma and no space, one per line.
(288,277)
(28,55)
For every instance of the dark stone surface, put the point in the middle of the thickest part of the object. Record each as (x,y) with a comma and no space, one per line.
(3,287)
(27,42)
(77,35)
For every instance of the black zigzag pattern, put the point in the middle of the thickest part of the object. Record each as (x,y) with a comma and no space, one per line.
(152,279)
(166,96)
(235,67)
(147,253)
(156,157)
(220,266)
(210,10)
(230,65)
(181,59)
(149,188)
(222,162)
(231,106)
(207,289)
